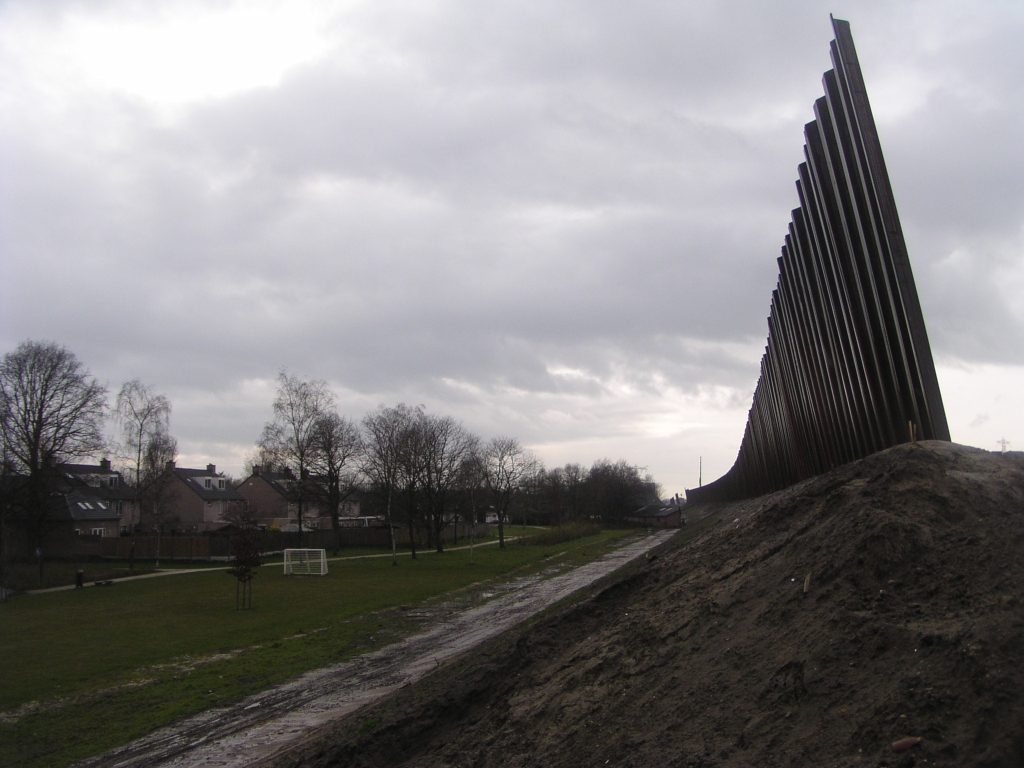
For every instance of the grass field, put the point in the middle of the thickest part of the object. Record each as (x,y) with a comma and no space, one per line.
(85,670)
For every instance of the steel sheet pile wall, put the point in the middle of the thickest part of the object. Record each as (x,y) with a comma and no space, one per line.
(847,370)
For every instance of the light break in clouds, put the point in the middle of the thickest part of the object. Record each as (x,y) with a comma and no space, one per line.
(555,220)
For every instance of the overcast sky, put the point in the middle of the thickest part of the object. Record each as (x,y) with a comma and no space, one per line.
(552,220)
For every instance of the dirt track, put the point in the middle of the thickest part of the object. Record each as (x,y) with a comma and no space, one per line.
(819,626)
(264,724)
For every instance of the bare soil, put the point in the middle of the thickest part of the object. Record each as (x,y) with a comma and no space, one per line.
(818,626)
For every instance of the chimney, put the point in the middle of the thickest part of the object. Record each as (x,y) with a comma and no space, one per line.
(169,466)
(104,465)
(256,469)
(211,469)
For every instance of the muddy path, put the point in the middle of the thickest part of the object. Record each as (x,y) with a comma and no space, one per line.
(268,722)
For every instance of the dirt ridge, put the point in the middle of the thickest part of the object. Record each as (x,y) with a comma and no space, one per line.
(714,653)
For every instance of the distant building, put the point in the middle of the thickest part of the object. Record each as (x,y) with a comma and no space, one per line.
(78,505)
(107,485)
(658,516)
(273,499)
(87,513)
(193,500)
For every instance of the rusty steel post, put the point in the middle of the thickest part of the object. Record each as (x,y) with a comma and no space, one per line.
(847,370)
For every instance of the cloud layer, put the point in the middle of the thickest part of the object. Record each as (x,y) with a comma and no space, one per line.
(552,220)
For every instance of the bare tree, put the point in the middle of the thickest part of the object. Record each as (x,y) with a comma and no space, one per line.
(562,492)
(52,411)
(6,507)
(266,456)
(472,490)
(387,434)
(506,466)
(297,408)
(337,446)
(144,418)
(575,478)
(156,485)
(615,489)
(410,471)
(445,445)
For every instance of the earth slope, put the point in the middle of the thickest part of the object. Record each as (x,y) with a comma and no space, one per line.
(714,653)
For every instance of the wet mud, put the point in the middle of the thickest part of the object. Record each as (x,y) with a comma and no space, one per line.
(261,726)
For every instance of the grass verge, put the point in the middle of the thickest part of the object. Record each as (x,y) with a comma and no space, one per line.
(557,535)
(86,670)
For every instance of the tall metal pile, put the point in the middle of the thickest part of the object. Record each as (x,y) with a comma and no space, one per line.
(847,370)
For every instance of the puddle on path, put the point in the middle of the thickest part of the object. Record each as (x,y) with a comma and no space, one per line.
(265,723)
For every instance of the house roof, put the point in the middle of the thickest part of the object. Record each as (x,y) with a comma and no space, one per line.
(88,469)
(283,483)
(196,481)
(656,510)
(72,500)
(83,503)
(102,474)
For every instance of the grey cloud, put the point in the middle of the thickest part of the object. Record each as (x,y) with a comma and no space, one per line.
(495,191)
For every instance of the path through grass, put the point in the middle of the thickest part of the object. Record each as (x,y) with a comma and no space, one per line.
(85,670)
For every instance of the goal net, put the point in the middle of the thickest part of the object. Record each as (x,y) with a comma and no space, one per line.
(305,562)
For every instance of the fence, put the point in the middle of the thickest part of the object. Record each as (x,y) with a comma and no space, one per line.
(205,546)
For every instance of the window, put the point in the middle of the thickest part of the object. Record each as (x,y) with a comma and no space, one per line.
(97,531)
(220,483)
(84,505)
(112,481)
(207,483)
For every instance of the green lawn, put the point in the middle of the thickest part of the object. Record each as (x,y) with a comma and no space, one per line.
(107,664)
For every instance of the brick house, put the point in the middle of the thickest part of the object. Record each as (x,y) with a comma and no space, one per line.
(89,513)
(74,508)
(274,500)
(107,485)
(193,500)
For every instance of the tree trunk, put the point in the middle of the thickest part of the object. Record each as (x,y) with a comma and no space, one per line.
(412,537)
(391,531)
(3,545)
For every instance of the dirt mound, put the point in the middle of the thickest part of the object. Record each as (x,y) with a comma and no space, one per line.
(815,626)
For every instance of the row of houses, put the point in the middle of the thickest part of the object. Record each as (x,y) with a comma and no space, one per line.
(95,500)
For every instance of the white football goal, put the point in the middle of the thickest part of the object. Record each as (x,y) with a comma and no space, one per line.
(305,562)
